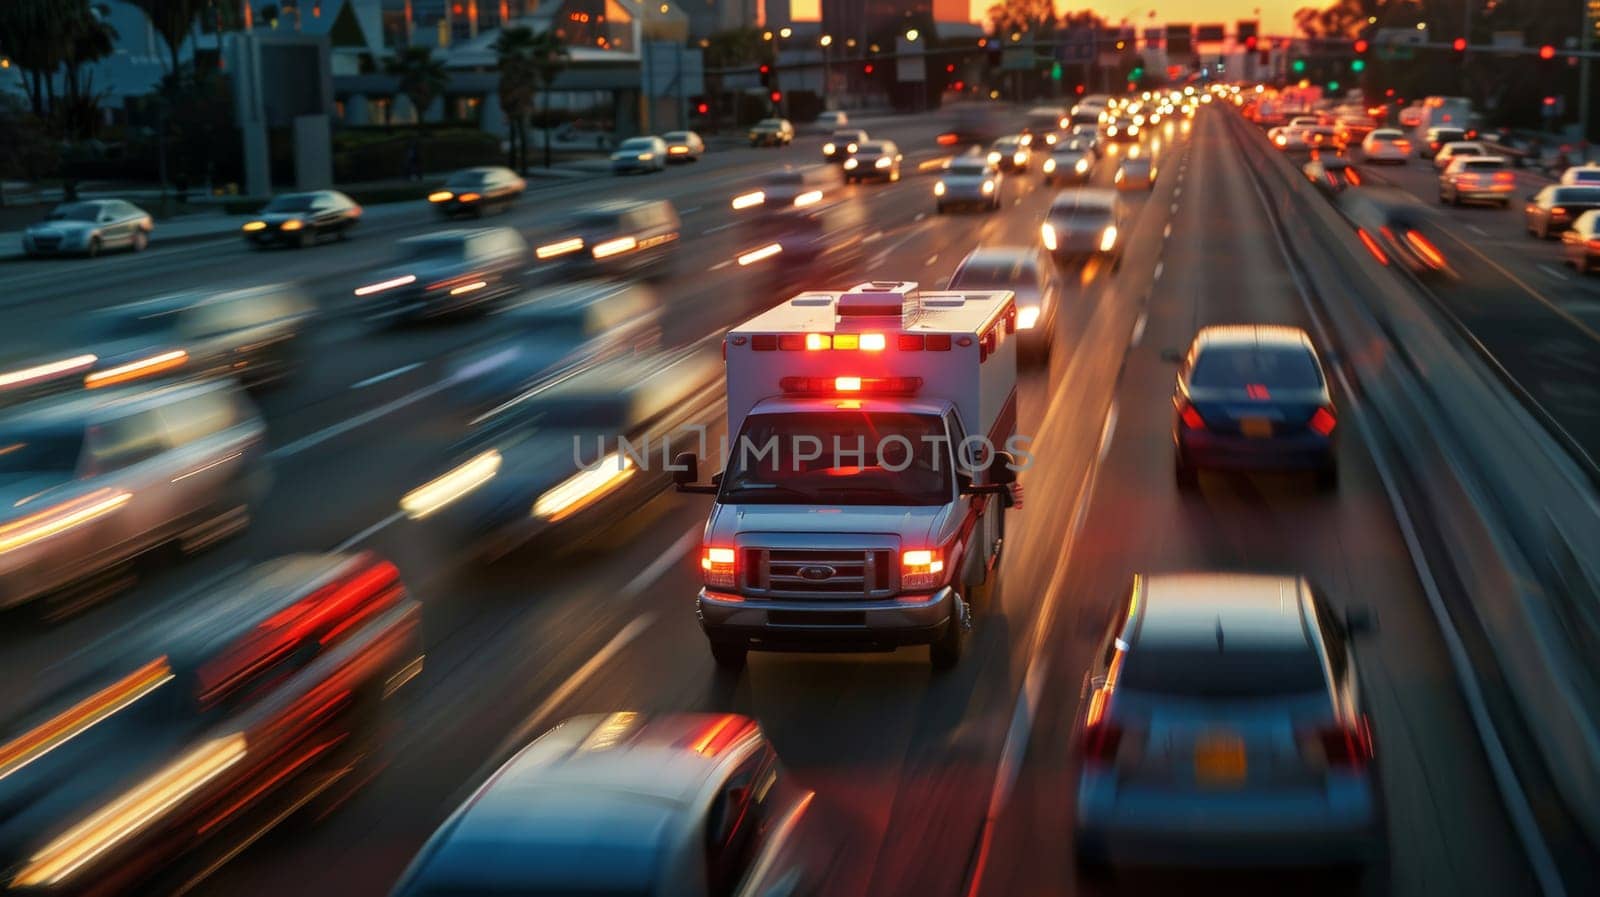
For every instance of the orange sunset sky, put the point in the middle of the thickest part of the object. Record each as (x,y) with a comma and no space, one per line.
(1276,16)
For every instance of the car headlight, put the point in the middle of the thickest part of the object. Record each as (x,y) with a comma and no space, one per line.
(1108,238)
(438,493)
(1019,158)
(829,149)
(1133,129)
(988,187)
(883,162)
(292,224)
(1027,316)
(851,163)
(938,189)
(645,157)
(1048,235)
(1082,167)
(1111,131)
(994,157)
(851,147)
(252,226)
(1049,165)
(1050,139)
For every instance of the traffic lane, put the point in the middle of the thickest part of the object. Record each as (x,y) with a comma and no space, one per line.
(77,284)
(1446,826)
(896,748)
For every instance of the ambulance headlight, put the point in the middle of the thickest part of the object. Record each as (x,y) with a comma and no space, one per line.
(994,157)
(1048,235)
(988,187)
(1082,167)
(1049,165)
(883,162)
(938,189)
(1027,316)
(851,163)
(1108,238)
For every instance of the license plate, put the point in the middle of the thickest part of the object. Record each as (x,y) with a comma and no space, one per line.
(1219,761)
(1256,427)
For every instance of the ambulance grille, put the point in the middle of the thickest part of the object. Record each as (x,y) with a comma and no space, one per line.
(819,573)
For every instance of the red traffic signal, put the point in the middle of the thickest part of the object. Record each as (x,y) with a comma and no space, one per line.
(1078,90)
(959,86)
(1361,46)
(702,109)
(765,68)
(867,68)
(1549,101)
(1547,52)
(1250,42)
(777,96)
(1389,92)
(1460,44)
(950,67)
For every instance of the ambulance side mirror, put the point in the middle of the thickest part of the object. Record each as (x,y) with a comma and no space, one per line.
(686,474)
(1002,469)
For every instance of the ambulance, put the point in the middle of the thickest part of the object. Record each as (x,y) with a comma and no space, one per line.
(872,455)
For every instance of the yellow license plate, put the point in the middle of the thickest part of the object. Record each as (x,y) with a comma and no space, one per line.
(1256,427)
(1219,761)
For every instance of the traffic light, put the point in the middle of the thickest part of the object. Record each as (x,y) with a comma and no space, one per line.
(1055,72)
(702,109)
(866,69)
(1360,47)
(777,96)
(1078,90)
(1333,85)
(1460,45)
(1547,52)
(1357,65)
(766,75)
(1299,66)
(1248,33)
(1136,74)
(951,67)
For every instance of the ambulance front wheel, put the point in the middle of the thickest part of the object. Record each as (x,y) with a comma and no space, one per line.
(946,650)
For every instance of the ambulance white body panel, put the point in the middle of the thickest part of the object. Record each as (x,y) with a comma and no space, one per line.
(847,516)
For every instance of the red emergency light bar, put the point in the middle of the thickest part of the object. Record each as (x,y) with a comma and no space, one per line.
(829,386)
(846,342)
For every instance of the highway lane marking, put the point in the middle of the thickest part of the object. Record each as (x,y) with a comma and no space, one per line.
(720,265)
(1109,428)
(689,211)
(1583,328)
(1552,272)
(1512,796)
(920,216)
(1477,230)
(721,227)
(1138,330)
(577,680)
(1177,191)
(1160,267)
(368,533)
(877,235)
(1166,231)
(931,259)
(662,564)
(123,633)
(1173,208)
(386,375)
(366,417)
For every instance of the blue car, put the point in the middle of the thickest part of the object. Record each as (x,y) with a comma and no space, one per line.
(1252,397)
(1222,725)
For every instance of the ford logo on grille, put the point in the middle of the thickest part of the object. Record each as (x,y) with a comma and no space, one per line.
(817,573)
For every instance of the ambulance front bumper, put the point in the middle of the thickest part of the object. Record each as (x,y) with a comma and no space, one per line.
(761,624)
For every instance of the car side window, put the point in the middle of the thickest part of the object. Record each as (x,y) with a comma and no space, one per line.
(958,436)
(121,442)
(199,416)
(1333,638)
(735,816)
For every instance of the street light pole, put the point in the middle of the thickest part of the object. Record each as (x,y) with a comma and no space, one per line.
(1591,20)
(826,41)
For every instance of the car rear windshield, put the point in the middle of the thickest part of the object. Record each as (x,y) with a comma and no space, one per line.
(1205,672)
(1386,135)
(79,211)
(882,458)
(40,451)
(1229,367)
(1484,165)
(1587,176)
(1578,194)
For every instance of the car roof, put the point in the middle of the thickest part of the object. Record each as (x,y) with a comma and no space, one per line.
(74,407)
(1259,335)
(1084,197)
(1000,255)
(1180,610)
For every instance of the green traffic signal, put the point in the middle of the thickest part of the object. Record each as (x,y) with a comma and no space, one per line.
(1333,85)
(1299,65)
(1136,74)
(1357,65)
(1055,72)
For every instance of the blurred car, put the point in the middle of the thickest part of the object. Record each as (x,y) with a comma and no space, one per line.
(681,805)
(1222,724)
(301,219)
(1386,145)
(1396,226)
(684,146)
(1455,149)
(1083,223)
(152,760)
(971,124)
(618,238)
(640,154)
(1434,140)
(971,181)
(1029,274)
(1475,178)
(1323,138)
(1135,171)
(1587,174)
(546,334)
(548,465)
(1070,162)
(1122,129)
(252,333)
(831,120)
(815,246)
(874,160)
(1411,116)
(1041,120)
(1009,154)
(93,479)
(1252,397)
(792,185)
(478,191)
(447,272)
(1554,208)
(1087,132)
(1331,174)
(843,143)
(88,228)
(1580,243)
(772,132)
(1287,137)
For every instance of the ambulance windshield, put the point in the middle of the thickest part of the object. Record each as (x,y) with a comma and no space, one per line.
(840,458)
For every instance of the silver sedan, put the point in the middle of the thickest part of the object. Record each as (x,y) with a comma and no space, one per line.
(88,228)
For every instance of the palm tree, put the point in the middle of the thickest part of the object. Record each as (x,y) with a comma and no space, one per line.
(90,38)
(421,77)
(173,20)
(518,80)
(35,35)
(550,57)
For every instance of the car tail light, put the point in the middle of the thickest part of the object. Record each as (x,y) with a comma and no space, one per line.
(1372,246)
(1323,421)
(469,197)
(1558,210)
(1504,177)
(1100,743)
(1593,244)
(1191,418)
(921,568)
(1424,248)
(718,565)
(1344,746)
